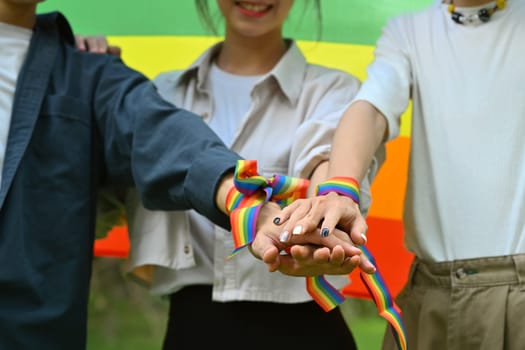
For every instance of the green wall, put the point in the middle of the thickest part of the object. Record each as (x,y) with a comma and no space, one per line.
(344,21)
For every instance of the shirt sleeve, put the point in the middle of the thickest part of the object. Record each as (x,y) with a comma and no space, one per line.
(326,94)
(389,78)
(172,157)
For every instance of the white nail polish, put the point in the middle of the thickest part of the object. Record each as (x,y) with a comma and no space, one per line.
(284,236)
(297,230)
(364,237)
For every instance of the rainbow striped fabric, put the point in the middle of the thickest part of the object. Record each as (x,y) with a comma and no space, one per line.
(375,284)
(385,304)
(250,192)
(346,186)
(323,292)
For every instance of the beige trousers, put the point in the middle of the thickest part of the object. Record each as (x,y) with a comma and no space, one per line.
(474,304)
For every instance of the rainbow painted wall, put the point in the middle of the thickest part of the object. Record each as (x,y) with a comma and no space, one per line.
(163,35)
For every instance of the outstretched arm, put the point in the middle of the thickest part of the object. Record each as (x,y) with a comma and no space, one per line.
(359,134)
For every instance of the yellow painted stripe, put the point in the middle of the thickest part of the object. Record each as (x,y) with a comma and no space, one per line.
(154,54)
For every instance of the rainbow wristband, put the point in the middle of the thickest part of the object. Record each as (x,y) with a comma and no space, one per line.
(375,284)
(346,186)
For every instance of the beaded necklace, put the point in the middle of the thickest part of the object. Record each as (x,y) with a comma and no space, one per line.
(482,15)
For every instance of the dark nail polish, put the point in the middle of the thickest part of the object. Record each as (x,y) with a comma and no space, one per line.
(325,232)
(276,221)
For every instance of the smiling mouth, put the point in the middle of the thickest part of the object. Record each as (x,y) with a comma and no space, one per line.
(253,7)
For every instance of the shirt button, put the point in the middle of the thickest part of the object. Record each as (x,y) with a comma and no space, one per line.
(187,249)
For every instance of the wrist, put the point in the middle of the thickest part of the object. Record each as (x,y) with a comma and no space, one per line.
(342,185)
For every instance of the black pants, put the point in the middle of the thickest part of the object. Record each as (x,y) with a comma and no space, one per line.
(195,321)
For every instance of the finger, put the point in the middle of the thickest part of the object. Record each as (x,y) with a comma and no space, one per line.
(337,256)
(286,212)
(359,229)
(358,237)
(338,238)
(342,237)
(264,250)
(310,221)
(80,43)
(263,247)
(312,261)
(341,212)
(300,209)
(97,44)
(290,266)
(273,264)
(366,265)
(302,253)
(350,264)
(323,256)
(115,50)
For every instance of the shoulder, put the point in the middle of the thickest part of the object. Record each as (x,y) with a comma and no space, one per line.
(167,83)
(323,76)
(410,20)
(298,77)
(168,78)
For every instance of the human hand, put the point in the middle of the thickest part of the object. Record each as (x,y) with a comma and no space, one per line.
(325,212)
(309,254)
(331,262)
(96,44)
(324,215)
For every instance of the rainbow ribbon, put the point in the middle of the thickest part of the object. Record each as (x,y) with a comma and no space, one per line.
(375,284)
(385,304)
(244,202)
(346,186)
(250,192)
(323,292)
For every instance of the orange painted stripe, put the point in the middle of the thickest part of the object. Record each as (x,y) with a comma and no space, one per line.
(115,244)
(385,243)
(388,189)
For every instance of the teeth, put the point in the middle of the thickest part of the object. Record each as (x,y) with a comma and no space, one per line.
(253,7)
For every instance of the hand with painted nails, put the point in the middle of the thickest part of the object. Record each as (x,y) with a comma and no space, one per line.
(305,254)
(324,216)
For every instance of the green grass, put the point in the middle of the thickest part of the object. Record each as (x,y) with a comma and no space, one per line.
(122,315)
(366,325)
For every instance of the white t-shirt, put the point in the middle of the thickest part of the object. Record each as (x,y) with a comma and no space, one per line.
(231,101)
(14,43)
(465,193)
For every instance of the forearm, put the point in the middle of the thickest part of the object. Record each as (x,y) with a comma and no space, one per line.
(359,134)
(319,175)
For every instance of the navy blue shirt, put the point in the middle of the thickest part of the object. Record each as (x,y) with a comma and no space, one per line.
(82,121)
